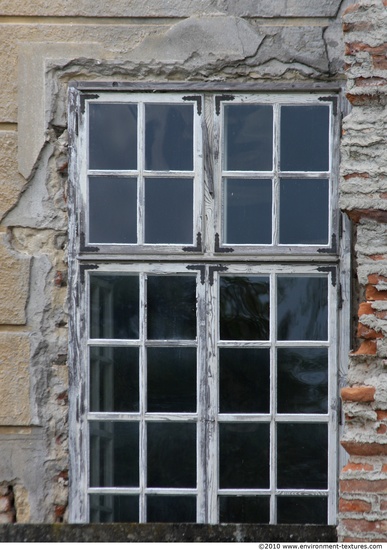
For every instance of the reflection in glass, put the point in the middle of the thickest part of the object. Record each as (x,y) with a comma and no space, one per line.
(114,451)
(244,308)
(242,509)
(305,138)
(112,136)
(248,137)
(244,380)
(168,137)
(171,454)
(302,510)
(304,211)
(114,509)
(114,306)
(247,211)
(169,210)
(114,379)
(302,380)
(171,509)
(302,308)
(171,307)
(171,379)
(302,460)
(112,210)
(244,452)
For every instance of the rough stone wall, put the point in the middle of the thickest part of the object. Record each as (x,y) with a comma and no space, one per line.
(363,503)
(43,45)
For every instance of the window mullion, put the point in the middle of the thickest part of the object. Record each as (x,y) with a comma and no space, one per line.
(276,167)
(141,169)
(143,396)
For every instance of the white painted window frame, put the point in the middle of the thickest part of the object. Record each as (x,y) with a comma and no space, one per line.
(85,257)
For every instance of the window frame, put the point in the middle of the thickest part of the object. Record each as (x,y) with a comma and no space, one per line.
(86,257)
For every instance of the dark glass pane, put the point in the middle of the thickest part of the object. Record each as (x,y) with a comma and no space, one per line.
(168,210)
(112,210)
(302,510)
(168,137)
(244,308)
(302,380)
(172,454)
(304,211)
(114,452)
(305,138)
(243,509)
(302,308)
(244,379)
(248,137)
(114,379)
(112,136)
(114,509)
(247,211)
(244,451)
(302,460)
(171,379)
(171,509)
(114,306)
(171,307)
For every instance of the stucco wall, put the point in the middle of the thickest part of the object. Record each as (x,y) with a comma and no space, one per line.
(43,45)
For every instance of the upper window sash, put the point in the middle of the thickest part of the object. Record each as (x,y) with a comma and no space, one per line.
(242,174)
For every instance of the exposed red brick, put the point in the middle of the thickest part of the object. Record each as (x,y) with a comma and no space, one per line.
(377,257)
(366,332)
(376,278)
(382,429)
(370,81)
(357,467)
(381,415)
(381,314)
(355,505)
(359,100)
(384,468)
(364,526)
(357,26)
(363,175)
(373,294)
(372,214)
(368,347)
(365,308)
(363,486)
(383,504)
(354,47)
(365,449)
(362,394)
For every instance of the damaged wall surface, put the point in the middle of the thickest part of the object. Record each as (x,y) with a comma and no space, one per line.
(281,44)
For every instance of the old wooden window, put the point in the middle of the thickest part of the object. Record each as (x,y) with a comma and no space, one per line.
(205,268)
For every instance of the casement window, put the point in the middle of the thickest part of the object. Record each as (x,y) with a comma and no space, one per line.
(205,282)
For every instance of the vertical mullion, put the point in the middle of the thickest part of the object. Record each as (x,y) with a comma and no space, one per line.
(276,167)
(143,394)
(273,398)
(141,167)
(202,396)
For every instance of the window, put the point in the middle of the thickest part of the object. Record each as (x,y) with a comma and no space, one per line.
(205,313)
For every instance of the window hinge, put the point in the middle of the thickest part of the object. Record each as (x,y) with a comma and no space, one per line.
(332,99)
(219,99)
(218,248)
(198,247)
(83,99)
(201,268)
(329,269)
(196,98)
(212,269)
(83,247)
(332,248)
(83,268)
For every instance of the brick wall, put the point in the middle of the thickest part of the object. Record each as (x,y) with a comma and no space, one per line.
(363,486)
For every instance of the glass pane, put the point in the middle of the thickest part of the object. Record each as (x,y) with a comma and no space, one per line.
(169,210)
(305,138)
(114,379)
(242,509)
(244,452)
(112,136)
(302,460)
(171,379)
(248,137)
(244,308)
(302,308)
(247,211)
(114,452)
(172,454)
(304,211)
(114,306)
(171,509)
(168,137)
(114,509)
(302,380)
(244,380)
(302,510)
(112,210)
(171,307)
